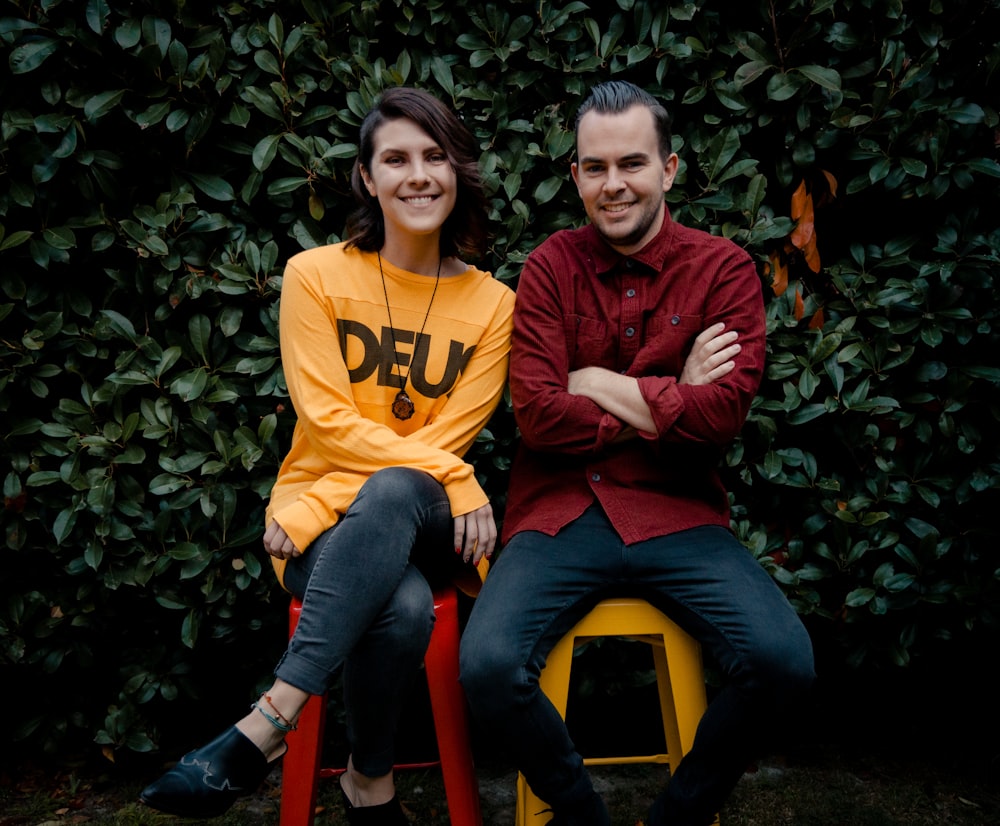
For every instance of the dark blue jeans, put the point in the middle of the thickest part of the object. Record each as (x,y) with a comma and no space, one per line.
(704,579)
(367,605)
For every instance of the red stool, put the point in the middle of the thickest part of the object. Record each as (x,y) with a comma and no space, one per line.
(301,764)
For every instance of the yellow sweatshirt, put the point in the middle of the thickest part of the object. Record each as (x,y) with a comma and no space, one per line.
(344,365)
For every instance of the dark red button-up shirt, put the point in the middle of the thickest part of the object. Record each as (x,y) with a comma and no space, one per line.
(580,303)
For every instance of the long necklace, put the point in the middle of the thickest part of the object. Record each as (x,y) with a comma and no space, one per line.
(402,405)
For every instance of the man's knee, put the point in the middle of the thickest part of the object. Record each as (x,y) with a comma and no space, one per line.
(488,673)
(785,669)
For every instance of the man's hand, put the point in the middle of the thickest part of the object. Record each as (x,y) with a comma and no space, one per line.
(614,393)
(277,543)
(711,357)
(476,534)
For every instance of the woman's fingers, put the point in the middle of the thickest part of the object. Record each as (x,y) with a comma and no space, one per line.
(277,543)
(476,534)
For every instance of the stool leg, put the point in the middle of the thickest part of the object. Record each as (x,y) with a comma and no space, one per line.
(451,718)
(668,712)
(301,765)
(554,684)
(687,684)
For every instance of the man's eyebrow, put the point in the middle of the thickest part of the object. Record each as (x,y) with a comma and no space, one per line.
(634,156)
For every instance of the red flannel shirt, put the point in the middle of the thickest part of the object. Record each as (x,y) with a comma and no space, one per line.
(580,303)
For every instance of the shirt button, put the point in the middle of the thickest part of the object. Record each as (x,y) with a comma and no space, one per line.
(595,477)
(630,293)
(675,320)
(630,331)
(629,264)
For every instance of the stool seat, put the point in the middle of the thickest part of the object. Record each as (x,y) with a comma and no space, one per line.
(301,765)
(679,677)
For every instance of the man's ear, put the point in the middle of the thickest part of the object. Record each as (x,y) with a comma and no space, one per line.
(670,171)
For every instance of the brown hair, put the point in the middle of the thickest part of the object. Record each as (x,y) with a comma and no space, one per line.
(617,96)
(464,231)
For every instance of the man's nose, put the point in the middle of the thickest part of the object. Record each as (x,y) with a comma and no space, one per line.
(614,182)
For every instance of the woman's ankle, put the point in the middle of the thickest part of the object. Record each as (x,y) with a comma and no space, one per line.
(363,791)
(262,734)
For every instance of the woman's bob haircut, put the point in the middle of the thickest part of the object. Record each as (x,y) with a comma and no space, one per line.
(465,230)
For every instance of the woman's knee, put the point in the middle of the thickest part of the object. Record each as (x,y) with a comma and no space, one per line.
(408,618)
(397,487)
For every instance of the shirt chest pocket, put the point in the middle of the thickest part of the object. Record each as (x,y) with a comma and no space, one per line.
(668,340)
(588,342)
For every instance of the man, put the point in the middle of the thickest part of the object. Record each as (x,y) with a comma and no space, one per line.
(624,409)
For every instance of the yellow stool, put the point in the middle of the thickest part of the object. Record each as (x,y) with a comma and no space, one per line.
(679,677)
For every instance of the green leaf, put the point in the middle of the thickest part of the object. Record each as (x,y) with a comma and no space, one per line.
(859,597)
(822,76)
(548,189)
(213,186)
(749,72)
(15,239)
(98,106)
(200,335)
(268,62)
(30,56)
(265,150)
(120,324)
(783,85)
(98,12)
(190,628)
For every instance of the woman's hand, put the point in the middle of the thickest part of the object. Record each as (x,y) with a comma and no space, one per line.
(476,534)
(711,357)
(278,544)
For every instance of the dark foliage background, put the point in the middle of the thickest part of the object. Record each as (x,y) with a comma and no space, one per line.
(159,161)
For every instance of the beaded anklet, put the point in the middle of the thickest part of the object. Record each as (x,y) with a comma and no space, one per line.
(280,722)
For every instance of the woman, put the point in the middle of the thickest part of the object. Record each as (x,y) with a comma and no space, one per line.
(395,353)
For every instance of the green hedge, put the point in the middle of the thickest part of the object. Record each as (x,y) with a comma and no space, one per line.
(159,161)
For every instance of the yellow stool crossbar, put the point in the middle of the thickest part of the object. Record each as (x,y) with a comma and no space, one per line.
(679,678)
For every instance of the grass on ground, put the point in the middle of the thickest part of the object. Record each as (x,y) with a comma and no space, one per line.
(826,789)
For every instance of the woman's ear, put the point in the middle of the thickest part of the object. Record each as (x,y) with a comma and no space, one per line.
(369,183)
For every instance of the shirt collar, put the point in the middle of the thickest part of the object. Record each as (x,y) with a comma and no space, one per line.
(649,260)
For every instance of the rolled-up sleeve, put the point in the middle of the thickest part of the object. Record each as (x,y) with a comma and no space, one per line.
(714,413)
(550,418)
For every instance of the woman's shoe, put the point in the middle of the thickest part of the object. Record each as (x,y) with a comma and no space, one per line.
(206,782)
(385,814)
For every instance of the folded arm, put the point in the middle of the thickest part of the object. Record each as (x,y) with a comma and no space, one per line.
(586,409)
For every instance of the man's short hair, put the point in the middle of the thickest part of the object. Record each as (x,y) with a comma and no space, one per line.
(615,97)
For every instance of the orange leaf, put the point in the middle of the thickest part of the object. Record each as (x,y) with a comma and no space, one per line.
(800,307)
(816,322)
(831,182)
(804,234)
(779,274)
(800,201)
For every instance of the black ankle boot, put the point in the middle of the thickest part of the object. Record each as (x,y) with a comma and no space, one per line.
(389,813)
(207,781)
